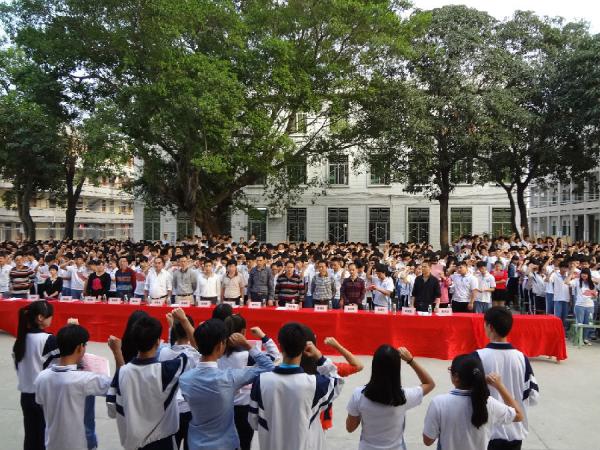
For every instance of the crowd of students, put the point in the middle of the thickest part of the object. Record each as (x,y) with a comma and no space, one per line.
(532,276)
(210,388)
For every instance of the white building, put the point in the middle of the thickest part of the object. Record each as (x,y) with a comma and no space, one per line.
(352,205)
(103,212)
(363,207)
(566,209)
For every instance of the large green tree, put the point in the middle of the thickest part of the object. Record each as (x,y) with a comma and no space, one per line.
(538,128)
(211,93)
(423,115)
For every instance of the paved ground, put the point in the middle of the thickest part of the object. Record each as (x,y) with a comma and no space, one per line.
(566,419)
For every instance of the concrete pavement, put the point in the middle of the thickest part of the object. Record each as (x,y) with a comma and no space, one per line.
(566,419)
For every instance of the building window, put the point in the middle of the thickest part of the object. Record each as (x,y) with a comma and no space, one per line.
(296,224)
(257,224)
(298,123)
(338,170)
(462,172)
(566,227)
(296,171)
(593,185)
(151,224)
(418,224)
(379,224)
(379,172)
(501,222)
(337,219)
(461,222)
(565,194)
(185,226)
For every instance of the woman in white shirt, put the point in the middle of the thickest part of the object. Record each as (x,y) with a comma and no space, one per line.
(381,405)
(585,294)
(462,419)
(237,358)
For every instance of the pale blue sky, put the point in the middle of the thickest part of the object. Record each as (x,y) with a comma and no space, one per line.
(572,10)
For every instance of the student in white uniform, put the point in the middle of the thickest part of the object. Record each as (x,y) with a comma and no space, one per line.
(515,370)
(381,404)
(238,358)
(62,390)
(463,419)
(142,393)
(486,284)
(286,403)
(33,351)
(180,343)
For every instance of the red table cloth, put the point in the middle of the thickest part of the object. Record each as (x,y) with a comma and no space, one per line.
(441,337)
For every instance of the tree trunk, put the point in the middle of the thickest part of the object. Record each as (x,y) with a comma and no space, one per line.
(208,222)
(513,210)
(444,245)
(523,209)
(71,211)
(23,202)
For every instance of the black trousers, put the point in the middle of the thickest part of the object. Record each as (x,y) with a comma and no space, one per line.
(460,307)
(500,444)
(184,425)
(245,431)
(33,423)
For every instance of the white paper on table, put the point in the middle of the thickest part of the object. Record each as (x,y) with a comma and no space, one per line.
(96,364)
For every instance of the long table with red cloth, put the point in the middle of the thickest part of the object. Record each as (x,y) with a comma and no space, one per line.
(441,337)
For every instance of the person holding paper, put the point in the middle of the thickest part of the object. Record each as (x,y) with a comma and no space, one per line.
(61,390)
(382,287)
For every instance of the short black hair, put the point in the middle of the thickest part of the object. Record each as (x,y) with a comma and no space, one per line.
(500,319)
(146,332)
(481,264)
(178,332)
(209,334)
(222,311)
(292,338)
(70,337)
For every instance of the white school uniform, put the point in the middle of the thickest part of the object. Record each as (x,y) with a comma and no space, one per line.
(79,275)
(517,375)
(382,425)
(241,360)
(485,281)
(61,390)
(141,398)
(448,419)
(285,405)
(40,350)
(167,353)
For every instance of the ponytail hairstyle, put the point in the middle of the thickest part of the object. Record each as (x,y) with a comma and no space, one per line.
(385,387)
(28,322)
(471,376)
(234,324)
(129,347)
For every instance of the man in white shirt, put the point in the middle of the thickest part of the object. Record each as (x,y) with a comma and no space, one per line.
(209,284)
(465,288)
(486,284)
(159,282)
(4,276)
(339,274)
(79,274)
(382,287)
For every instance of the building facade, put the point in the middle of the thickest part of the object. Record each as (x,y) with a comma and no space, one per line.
(104,211)
(567,209)
(367,207)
